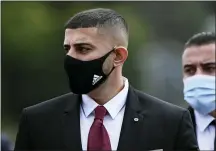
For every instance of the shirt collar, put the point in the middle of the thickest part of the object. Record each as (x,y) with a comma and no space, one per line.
(113,106)
(202,121)
(88,105)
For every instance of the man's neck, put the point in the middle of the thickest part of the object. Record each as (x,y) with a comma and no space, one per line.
(107,90)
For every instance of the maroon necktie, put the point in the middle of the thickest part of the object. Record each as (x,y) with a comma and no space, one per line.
(98,138)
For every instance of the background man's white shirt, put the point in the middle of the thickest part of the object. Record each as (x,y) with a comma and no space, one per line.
(205,131)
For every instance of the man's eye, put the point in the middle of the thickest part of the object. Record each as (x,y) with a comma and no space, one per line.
(190,71)
(67,48)
(83,50)
(210,69)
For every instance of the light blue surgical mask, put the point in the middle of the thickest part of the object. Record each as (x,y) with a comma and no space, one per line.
(199,92)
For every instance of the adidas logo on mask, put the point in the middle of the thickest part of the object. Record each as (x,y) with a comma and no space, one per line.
(96,78)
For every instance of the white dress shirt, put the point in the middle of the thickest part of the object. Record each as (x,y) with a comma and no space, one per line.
(112,121)
(205,131)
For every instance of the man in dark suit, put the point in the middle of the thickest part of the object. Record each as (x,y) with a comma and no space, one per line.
(103,112)
(199,63)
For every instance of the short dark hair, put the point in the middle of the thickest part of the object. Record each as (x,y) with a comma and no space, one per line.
(202,38)
(99,18)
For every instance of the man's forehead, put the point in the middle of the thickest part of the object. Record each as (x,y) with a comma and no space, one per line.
(82,35)
(193,54)
(91,30)
(208,48)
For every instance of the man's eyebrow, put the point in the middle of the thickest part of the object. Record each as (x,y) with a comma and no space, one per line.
(208,63)
(188,65)
(79,44)
(84,44)
(205,64)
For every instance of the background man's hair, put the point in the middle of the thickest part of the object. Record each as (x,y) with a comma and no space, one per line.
(202,38)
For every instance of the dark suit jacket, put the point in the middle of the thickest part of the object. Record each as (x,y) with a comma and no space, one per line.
(55,125)
(191,110)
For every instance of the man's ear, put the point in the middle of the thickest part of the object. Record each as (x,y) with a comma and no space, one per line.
(121,54)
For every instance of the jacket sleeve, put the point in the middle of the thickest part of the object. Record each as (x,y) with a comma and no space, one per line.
(186,139)
(22,139)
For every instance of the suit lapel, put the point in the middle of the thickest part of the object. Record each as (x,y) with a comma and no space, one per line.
(71,124)
(191,110)
(131,125)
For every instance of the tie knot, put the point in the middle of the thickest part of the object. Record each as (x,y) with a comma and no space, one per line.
(100,112)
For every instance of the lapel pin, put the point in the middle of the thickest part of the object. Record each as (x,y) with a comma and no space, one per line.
(136,119)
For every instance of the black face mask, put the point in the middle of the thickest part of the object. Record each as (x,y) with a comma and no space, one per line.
(85,76)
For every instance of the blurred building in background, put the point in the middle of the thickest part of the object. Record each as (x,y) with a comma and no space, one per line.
(32,52)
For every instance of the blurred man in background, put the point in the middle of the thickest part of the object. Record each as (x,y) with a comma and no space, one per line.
(199,86)
(103,112)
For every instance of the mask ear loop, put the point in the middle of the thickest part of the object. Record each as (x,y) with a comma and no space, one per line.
(113,65)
